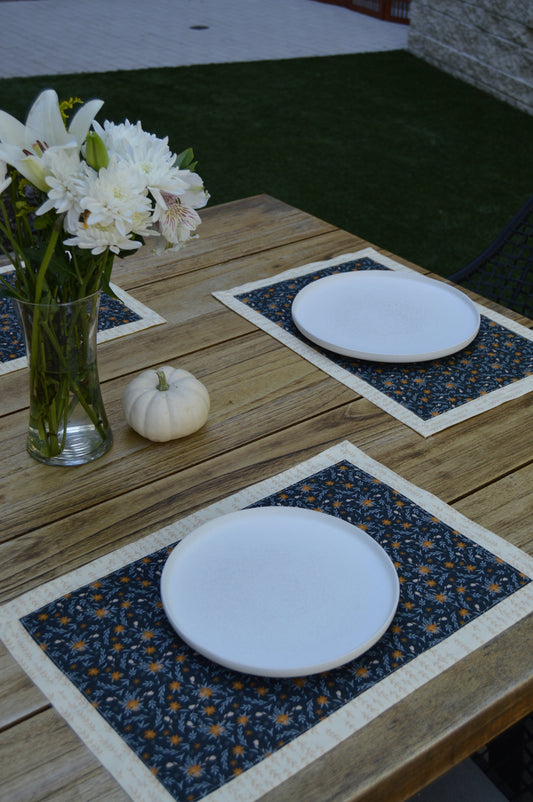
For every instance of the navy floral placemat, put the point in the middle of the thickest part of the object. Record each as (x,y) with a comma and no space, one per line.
(117,317)
(428,396)
(195,726)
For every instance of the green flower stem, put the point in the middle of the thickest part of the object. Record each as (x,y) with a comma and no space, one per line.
(52,242)
(74,386)
(16,256)
(62,373)
(38,292)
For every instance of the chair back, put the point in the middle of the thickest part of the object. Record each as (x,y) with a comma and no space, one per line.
(504,271)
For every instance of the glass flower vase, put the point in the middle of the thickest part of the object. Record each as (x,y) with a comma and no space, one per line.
(68,424)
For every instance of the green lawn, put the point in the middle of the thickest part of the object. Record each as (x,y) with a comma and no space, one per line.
(380,144)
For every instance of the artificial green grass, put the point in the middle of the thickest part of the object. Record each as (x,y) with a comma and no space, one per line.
(381,144)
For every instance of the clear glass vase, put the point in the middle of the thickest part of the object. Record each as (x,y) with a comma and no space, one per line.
(68,424)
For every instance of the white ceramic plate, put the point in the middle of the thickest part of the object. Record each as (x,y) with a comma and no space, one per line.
(385,316)
(279,591)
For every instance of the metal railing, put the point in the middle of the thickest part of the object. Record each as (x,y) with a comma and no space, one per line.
(391,10)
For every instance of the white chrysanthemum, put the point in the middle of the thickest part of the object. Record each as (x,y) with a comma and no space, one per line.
(115,209)
(64,173)
(123,139)
(116,197)
(100,238)
(146,153)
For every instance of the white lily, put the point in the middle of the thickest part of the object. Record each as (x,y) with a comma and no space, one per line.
(5,180)
(22,146)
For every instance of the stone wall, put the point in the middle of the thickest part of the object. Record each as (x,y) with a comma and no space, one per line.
(488,43)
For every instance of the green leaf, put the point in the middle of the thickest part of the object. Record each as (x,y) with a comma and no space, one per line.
(41,223)
(7,291)
(184,160)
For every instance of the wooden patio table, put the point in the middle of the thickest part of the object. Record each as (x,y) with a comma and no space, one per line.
(270,409)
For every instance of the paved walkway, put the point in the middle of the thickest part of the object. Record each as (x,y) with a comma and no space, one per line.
(48,37)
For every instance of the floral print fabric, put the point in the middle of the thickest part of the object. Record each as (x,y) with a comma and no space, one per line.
(197,725)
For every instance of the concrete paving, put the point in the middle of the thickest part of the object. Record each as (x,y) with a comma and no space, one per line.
(49,37)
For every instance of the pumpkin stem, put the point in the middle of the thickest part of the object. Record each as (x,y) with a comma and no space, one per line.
(162,384)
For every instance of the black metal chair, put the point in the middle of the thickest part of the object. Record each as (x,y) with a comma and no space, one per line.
(508,761)
(504,271)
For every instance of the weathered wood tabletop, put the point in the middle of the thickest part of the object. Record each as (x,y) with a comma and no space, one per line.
(270,409)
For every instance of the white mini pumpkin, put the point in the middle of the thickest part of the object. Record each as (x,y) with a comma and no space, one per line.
(165,403)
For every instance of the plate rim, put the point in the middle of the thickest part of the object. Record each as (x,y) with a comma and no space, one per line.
(281,672)
(376,356)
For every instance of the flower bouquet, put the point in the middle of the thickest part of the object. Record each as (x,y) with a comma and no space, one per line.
(73,195)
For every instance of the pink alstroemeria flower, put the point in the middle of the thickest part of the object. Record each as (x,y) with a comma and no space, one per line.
(176,223)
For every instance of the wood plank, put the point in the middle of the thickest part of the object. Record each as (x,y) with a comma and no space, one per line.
(44,759)
(228,231)
(19,698)
(256,386)
(505,507)
(276,388)
(456,462)
(92,531)
(60,546)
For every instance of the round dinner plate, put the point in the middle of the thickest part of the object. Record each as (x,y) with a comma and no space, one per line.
(385,316)
(279,591)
